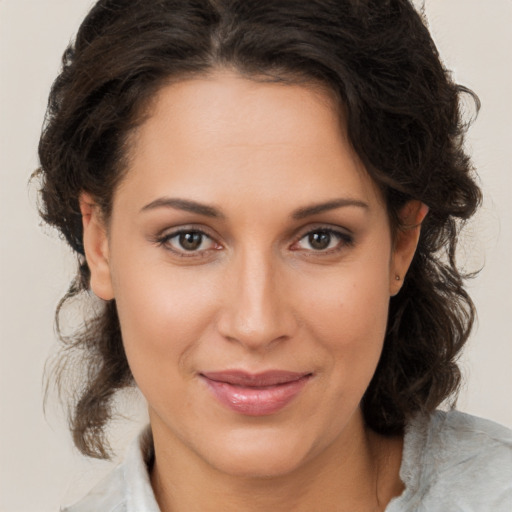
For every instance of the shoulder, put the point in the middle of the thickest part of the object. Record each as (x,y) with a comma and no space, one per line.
(454,461)
(127,488)
(467,432)
(458,439)
(107,496)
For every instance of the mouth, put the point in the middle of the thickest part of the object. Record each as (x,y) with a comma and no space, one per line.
(258,394)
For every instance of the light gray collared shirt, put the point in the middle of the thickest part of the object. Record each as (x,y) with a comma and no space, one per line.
(452,462)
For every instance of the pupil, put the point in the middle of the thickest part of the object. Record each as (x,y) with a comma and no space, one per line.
(191,241)
(320,240)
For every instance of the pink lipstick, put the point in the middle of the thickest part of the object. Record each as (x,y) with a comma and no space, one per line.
(255,394)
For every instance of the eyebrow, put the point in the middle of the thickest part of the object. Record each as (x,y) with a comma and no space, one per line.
(210,211)
(185,205)
(315,209)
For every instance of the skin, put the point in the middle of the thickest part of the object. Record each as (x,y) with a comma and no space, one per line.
(255,294)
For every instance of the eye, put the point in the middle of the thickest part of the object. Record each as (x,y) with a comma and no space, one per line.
(323,240)
(188,241)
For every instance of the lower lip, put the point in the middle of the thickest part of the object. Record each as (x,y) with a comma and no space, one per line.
(256,401)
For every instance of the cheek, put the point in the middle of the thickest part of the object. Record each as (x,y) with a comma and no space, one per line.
(348,317)
(350,301)
(163,315)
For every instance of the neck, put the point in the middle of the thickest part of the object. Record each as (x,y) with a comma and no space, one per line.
(357,472)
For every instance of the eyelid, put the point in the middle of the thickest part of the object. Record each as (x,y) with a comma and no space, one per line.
(319,226)
(164,236)
(344,235)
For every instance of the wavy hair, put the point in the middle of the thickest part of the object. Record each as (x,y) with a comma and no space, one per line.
(404,120)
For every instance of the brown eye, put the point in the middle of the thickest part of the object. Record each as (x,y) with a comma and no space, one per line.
(320,240)
(324,240)
(188,242)
(191,241)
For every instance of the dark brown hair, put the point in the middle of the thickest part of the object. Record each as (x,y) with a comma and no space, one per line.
(403,115)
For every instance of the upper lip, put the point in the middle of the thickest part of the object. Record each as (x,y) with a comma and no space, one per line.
(246,379)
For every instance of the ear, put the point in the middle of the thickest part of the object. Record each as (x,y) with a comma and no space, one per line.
(96,247)
(411,216)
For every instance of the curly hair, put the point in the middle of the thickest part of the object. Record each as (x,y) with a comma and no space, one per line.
(404,120)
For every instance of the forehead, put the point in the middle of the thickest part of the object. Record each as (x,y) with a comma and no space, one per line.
(212,135)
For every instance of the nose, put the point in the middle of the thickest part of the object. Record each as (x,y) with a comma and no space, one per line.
(257,312)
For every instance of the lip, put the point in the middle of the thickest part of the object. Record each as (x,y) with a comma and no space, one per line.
(258,394)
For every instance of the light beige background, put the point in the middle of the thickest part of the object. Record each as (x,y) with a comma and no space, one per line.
(39,469)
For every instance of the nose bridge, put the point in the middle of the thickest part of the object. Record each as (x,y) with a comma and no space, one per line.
(256,314)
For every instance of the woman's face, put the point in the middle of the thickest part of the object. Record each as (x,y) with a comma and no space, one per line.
(250,257)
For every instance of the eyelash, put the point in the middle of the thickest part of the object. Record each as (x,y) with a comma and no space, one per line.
(164,241)
(344,240)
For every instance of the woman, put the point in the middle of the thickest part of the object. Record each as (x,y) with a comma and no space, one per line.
(266,199)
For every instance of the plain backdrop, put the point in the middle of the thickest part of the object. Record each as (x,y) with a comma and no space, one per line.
(39,468)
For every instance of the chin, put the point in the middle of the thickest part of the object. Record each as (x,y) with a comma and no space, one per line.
(264,453)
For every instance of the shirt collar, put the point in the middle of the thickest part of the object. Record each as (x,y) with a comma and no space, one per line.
(136,467)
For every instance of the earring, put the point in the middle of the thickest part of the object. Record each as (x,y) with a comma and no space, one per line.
(397,277)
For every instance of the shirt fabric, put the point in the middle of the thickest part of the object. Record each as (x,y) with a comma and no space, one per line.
(451,462)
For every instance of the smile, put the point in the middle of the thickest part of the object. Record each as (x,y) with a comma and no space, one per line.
(255,395)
